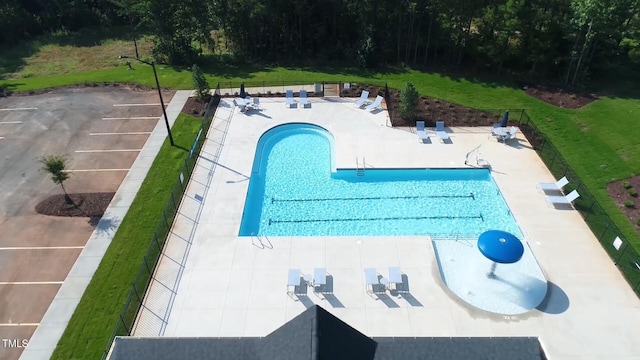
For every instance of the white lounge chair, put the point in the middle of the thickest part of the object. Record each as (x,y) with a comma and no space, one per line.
(303,98)
(371,278)
(293,280)
(377,104)
(256,103)
(442,134)
(289,99)
(422,135)
(320,281)
(364,99)
(556,186)
(395,277)
(563,199)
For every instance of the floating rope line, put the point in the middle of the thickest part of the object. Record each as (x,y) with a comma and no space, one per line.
(271,221)
(471,196)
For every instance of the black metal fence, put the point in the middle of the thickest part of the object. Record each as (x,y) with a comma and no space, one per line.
(623,255)
(136,296)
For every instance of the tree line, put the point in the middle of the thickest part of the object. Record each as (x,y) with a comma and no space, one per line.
(562,40)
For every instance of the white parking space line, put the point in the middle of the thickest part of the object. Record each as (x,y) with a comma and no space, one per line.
(96,170)
(108,150)
(121,133)
(133,118)
(18,109)
(10,122)
(31,282)
(20,324)
(136,104)
(42,248)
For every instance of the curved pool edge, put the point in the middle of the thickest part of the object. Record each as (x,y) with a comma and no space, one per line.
(517,289)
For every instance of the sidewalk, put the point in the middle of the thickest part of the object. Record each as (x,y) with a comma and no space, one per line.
(46,337)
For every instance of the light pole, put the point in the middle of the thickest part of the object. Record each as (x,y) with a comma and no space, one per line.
(155,74)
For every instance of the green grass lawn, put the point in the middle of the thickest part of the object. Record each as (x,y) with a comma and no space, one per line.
(93,321)
(599,141)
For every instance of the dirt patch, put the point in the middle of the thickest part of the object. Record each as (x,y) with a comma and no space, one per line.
(622,193)
(82,204)
(559,97)
(195,107)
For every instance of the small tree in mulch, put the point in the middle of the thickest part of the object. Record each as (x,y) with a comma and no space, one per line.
(409,98)
(56,165)
(200,83)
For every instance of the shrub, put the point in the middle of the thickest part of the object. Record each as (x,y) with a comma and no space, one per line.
(638,222)
(628,203)
(199,82)
(409,101)
(633,192)
(626,185)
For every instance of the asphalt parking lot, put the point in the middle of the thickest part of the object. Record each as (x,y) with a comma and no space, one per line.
(102,131)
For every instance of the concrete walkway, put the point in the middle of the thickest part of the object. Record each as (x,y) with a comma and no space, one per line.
(46,337)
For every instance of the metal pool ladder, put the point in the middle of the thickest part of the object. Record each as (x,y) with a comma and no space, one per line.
(360,170)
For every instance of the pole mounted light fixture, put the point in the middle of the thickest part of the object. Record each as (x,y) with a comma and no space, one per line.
(155,75)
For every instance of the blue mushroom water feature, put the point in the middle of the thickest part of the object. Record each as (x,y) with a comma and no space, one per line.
(500,247)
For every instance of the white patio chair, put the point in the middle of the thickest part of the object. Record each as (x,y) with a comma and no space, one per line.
(363,100)
(563,199)
(422,135)
(377,104)
(442,134)
(556,186)
(289,99)
(303,99)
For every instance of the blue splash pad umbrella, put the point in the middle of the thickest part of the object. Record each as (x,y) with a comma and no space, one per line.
(500,247)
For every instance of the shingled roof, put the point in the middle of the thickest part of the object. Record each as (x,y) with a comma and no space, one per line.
(318,335)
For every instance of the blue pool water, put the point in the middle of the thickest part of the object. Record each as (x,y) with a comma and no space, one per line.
(295,191)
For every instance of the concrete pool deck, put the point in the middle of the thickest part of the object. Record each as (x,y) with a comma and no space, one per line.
(213,283)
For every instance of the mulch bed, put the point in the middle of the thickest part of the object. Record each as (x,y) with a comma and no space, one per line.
(620,195)
(81,204)
(558,96)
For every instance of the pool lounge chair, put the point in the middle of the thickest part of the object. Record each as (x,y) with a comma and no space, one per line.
(319,281)
(422,135)
(289,99)
(303,99)
(377,104)
(556,186)
(442,134)
(395,278)
(371,279)
(364,99)
(293,280)
(563,199)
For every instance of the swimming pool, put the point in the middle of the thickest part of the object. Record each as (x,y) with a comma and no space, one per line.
(295,190)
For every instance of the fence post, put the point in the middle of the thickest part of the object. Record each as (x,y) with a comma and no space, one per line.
(124,323)
(605,229)
(553,160)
